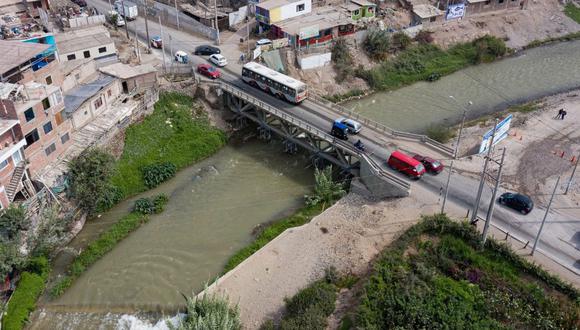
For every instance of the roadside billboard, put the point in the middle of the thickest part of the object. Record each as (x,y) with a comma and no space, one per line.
(455,11)
(308,32)
(501,133)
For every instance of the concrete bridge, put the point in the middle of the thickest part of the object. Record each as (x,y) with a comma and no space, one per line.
(307,126)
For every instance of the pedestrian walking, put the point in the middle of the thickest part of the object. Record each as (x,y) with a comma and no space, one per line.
(559,115)
(564,113)
(242,58)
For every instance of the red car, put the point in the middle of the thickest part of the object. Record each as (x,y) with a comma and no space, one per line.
(208,71)
(431,165)
(406,164)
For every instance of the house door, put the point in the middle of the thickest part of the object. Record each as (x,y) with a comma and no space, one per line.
(125,87)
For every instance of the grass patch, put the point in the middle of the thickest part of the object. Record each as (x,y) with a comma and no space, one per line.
(98,248)
(573,12)
(525,107)
(337,98)
(29,288)
(174,134)
(437,276)
(440,133)
(567,37)
(302,216)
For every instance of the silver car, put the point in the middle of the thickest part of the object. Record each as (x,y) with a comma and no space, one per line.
(354,127)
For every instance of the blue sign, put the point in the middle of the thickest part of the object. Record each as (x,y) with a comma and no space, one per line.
(455,11)
(501,132)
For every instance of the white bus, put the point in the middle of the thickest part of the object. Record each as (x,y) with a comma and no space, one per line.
(274,82)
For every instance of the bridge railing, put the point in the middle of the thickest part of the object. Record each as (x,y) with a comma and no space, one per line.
(380,127)
(320,133)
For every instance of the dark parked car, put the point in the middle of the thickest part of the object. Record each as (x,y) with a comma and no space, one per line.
(432,166)
(206,50)
(81,3)
(518,202)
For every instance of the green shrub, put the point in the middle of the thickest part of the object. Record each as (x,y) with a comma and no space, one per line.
(38,265)
(573,11)
(326,190)
(377,44)
(439,133)
(401,41)
(111,196)
(151,205)
(313,318)
(144,206)
(159,202)
(155,174)
(343,62)
(209,312)
(12,222)
(488,48)
(319,294)
(90,173)
(23,301)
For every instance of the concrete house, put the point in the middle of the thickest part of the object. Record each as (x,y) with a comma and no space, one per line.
(273,11)
(133,79)
(367,8)
(483,6)
(426,14)
(321,26)
(84,102)
(93,42)
(12,144)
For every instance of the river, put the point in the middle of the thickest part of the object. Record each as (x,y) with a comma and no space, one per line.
(213,208)
(215,204)
(490,87)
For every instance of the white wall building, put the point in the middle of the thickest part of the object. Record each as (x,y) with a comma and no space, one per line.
(93,42)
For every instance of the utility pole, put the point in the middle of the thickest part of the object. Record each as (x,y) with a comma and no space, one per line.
(489,215)
(125,19)
(176,13)
(216,23)
(482,178)
(111,5)
(162,44)
(545,216)
(571,178)
(454,157)
(248,27)
(147,28)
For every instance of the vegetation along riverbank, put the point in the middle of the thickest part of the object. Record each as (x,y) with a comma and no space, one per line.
(434,275)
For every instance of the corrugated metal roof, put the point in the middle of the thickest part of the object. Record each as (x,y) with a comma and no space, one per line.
(74,98)
(15,53)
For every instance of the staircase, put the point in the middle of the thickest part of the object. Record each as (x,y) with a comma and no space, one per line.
(15,181)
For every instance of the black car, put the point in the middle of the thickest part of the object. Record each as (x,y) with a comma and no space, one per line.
(339,130)
(206,50)
(518,202)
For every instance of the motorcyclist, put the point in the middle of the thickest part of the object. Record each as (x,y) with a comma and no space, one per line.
(359,145)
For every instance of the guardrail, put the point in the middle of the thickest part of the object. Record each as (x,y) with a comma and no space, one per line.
(320,133)
(380,127)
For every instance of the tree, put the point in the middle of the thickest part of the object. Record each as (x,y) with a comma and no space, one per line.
(13,221)
(343,62)
(377,44)
(208,313)
(89,178)
(10,258)
(325,189)
(401,40)
(51,232)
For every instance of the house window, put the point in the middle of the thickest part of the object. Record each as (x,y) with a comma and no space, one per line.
(71,57)
(46,104)
(47,127)
(31,138)
(48,80)
(432,19)
(87,54)
(78,76)
(500,1)
(64,139)
(29,114)
(3,164)
(102,50)
(300,7)
(487,3)
(51,148)
(109,93)
(357,12)
(98,103)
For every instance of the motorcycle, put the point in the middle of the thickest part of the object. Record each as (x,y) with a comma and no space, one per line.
(359,145)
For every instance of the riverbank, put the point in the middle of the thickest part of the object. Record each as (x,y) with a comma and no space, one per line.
(177,132)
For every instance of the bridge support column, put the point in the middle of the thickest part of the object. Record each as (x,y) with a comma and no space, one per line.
(290,147)
(264,133)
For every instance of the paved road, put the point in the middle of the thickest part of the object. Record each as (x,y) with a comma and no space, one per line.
(561,235)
